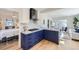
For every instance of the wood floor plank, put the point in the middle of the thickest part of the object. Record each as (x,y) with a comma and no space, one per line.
(43,45)
(47,45)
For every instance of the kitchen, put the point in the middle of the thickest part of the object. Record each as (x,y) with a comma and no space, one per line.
(33,33)
(9,28)
(39,28)
(50,25)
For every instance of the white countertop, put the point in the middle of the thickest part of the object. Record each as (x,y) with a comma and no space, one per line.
(51,29)
(29,32)
(8,33)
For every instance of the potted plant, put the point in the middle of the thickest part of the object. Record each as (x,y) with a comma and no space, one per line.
(75,23)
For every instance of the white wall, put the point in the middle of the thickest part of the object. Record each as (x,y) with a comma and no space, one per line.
(68,18)
(65,13)
(24,15)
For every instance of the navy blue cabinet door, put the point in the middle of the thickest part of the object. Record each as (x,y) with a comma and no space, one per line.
(51,36)
(25,41)
(37,36)
(29,40)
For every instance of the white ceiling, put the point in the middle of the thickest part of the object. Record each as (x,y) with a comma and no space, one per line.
(11,9)
(61,12)
(44,10)
(53,12)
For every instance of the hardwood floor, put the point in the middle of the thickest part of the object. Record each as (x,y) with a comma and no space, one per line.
(43,45)
(64,45)
(10,45)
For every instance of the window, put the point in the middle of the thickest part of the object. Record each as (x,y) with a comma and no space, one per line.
(9,22)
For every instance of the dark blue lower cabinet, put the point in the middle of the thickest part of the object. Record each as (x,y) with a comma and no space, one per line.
(29,40)
(39,35)
(25,41)
(51,36)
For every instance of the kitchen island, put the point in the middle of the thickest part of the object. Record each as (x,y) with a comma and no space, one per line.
(31,38)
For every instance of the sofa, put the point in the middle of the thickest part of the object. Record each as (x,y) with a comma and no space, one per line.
(75,34)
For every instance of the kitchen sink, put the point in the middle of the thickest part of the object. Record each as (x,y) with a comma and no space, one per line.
(33,29)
